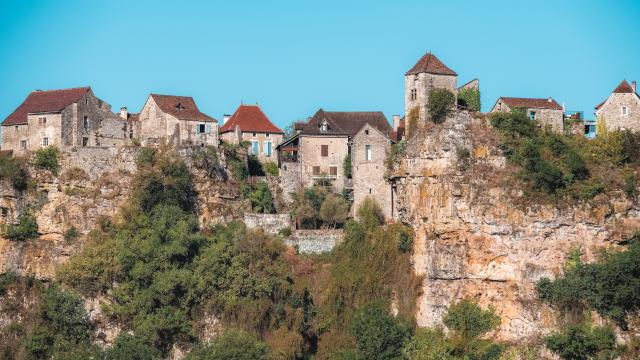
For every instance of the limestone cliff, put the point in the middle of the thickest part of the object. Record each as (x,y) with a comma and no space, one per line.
(478,236)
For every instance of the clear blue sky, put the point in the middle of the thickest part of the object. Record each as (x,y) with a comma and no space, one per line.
(293,57)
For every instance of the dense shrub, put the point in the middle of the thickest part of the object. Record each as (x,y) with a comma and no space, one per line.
(369,213)
(129,347)
(48,158)
(378,334)
(26,229)
(238,169)
(7,279)
(441,102)
(394,156)
(12,168)
(271,168)
(334,210)
(630,186)
(232,345)
(583,342)
(147,157)
(71,234)
(469,98)
(346,166)
(611,285)
(305,208)
(260,196)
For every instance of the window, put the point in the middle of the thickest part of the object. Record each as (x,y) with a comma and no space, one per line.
(45,141)
(366,132)
(23,144)
(85,141)
(254,148)
(42,120)
(333,170)
(532,115)
(625,110)
(316,170)
(85,123)
(367,152)
(266,135)
(201,129)
(324,150)
(267,148)
(86,101)
(324,127)
(16,127)
(254,134)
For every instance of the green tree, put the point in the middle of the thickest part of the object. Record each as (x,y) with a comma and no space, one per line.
(441,102)
(334,210)
(467,322)
(232,345)
(129,347)
(48,158)
(26,229)
(378,334)
(261,199)
(583,342)
(346,166)
(469,98)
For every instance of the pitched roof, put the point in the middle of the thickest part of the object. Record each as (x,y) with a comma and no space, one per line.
(250,118)
(346,123)
(45,101)
(181,107)
(429,63)
(531,103)
(622,88)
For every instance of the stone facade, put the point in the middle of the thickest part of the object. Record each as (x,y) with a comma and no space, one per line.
(417,88)
(369,151)
(156,126)
(261,145)
(316,165)
(545,112)
(621,111)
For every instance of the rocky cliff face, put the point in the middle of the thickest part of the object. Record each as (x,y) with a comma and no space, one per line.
(478,236)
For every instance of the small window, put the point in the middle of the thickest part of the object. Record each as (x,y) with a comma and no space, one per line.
(202,128)
(366,132)
(532,115)
(333,170)
(85,141)
(266,135)
(323,127)
(316,170)
(254,134)
(267,148)
(367,152)
(625,110)
(16,127)
(45,141)
(324,150)
(85,123)
(86,101)
(255,148)
(23,144)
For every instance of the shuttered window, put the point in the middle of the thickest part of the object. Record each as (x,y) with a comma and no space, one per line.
(333,170)
(316,170)
(324,150)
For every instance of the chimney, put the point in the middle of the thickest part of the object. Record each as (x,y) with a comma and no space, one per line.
(225,118)
(124,113)
(550,99)
(396,122)
(634,85)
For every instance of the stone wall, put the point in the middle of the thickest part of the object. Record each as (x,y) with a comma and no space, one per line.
(369,176)
(290,178)
(551,118)
(11,137)
(270,223)
(310,155)
(424,83)
(611,112)
(97,160)
(315,241)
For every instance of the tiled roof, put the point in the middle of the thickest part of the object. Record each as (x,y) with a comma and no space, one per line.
(622,88)
(531,103)
(429,63)
(346,123)
(250,118)
(181,107)
(43,102)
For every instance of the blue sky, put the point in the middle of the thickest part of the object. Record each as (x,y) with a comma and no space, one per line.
(293,57)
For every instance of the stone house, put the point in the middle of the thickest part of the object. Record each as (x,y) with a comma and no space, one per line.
(318,151)
(176,121)
(427,74)
(369,150)
(545,112)
(63,118)
(249,123)
(621,110)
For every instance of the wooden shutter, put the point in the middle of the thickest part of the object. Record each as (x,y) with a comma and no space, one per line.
(333,170)
(324,150)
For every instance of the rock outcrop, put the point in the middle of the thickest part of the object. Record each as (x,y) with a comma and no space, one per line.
(478,236)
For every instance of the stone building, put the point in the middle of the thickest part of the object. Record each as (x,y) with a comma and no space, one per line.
(174,120)
(369,150)
(318,151)
(621,110)
(250,124)
(545,112)
(427,74)
(62,118)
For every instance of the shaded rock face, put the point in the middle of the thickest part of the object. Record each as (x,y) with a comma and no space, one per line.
(476,234)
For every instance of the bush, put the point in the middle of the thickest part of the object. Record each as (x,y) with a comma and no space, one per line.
(26,229)
(7,279)
(583,342)
(271,168)
(129,347)
(378,334)
(630,186)
(13,169)
(48,158)
(147,157)
(261,199)
(405,242)
(232,345)
(334,210)
(71,234)
(370,213)
(346,166)
(441,101)
(469,98)
(238,170)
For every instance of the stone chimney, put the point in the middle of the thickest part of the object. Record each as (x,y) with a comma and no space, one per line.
(225,118)
(396,122)
(634,85)
(124,113)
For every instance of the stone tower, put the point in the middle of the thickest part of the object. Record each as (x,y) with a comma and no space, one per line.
(427,74)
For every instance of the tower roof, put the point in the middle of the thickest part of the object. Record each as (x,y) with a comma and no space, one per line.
(623,88)
(429,63)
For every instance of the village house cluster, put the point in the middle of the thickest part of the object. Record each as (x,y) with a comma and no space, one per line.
(316,151)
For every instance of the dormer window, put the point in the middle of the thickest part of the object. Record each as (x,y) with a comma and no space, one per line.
(179,106)
(324,126)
